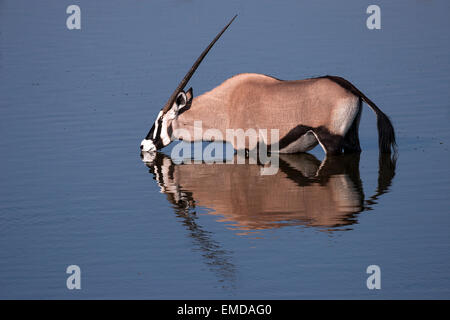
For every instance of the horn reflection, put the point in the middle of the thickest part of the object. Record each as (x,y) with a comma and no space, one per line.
(305,191)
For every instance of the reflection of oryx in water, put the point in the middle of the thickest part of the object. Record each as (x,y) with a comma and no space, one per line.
(305,191)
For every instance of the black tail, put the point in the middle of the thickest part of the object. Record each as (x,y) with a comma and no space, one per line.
(386,134)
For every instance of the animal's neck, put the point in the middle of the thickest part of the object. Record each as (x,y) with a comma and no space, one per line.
(207,111)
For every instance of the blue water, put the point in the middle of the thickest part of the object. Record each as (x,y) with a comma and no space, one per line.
(75,104)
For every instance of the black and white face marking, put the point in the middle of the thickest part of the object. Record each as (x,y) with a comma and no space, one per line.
(160,135)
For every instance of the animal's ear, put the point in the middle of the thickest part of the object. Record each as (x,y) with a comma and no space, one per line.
(181,100)
(184,100)
(189,95)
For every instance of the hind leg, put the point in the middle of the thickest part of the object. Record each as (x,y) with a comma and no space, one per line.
(351,139)
(331,143)
(342,132)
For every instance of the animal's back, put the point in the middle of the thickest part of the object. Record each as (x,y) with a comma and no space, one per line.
(264,102)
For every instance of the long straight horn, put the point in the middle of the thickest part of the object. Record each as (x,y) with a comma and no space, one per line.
(191,71)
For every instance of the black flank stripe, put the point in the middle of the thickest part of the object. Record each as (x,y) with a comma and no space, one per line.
(293,135)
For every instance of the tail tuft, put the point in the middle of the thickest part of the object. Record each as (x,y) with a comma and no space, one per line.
(386,134)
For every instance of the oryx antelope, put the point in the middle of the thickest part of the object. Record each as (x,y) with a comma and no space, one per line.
(324,110)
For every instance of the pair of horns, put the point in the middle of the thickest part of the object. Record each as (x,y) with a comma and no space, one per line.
(191,71)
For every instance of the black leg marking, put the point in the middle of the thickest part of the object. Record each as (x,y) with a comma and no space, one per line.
(293,135)
(351,139)
(332,143)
